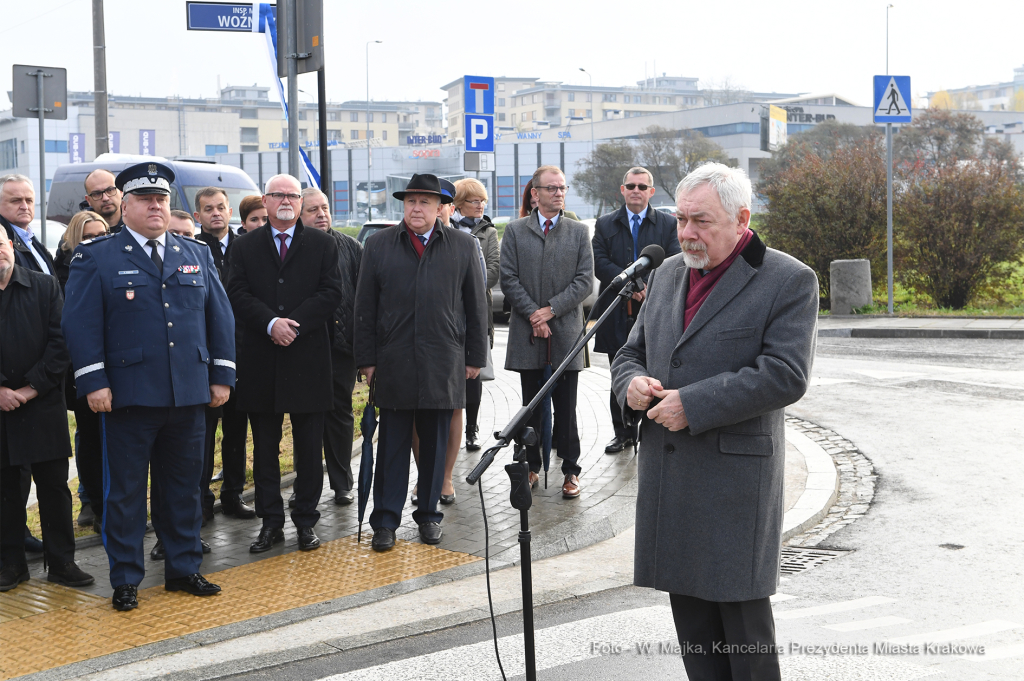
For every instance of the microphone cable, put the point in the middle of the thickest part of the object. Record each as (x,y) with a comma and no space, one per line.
(487,573)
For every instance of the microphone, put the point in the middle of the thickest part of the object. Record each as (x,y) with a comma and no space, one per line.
(650,259)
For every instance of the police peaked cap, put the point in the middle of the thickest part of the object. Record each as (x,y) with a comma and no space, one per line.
(145,178)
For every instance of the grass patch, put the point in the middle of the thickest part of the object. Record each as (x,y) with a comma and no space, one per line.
(359,399)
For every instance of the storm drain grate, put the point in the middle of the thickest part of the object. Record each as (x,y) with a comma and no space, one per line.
(796,560)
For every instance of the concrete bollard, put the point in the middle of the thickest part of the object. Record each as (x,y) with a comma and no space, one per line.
(851,285)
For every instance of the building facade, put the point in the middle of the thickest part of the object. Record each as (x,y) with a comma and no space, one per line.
(1007,96)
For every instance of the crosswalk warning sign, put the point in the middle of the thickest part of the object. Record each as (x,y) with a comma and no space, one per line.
(892,99)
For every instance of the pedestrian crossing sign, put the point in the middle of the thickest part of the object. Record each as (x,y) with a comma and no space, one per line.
(892,99)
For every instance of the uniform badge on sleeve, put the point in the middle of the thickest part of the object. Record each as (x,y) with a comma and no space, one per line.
(189,269)
(130,294)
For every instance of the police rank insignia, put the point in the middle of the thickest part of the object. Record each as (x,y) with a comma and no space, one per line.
(128,248)
(189,269)
(130,294)
(176,248)
(152,169)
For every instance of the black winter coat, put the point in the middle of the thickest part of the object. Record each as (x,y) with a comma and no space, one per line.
(613,252)
(306,288)
(350,252)
(33,353)
(219,256)
(22,251)
(420,321)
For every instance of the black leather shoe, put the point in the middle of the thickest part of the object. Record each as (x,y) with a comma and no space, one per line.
(308,541)
(237,508)
(618,443)
(205,545)
(126,597)
(86,517)
(13,575)
(472,444)
(194,584)
(268,537)
(158,552)
(448,499)
(218,477)
(430,533)
(69,574)
(291,501)
(343,498)
(383,539)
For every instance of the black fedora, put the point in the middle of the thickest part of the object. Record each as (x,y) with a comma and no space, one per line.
(424,184)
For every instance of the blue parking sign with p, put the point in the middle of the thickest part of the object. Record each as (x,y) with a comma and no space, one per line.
(479,133)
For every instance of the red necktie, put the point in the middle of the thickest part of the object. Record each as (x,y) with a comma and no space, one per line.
(547,227)
(284,245)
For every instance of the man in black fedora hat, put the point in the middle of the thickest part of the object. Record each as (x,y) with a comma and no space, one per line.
(420,332)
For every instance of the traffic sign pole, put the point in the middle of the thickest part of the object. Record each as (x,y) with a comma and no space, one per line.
(888,206)
(40,74)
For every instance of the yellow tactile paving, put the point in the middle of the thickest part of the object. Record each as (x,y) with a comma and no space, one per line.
(36,596)
(79,629)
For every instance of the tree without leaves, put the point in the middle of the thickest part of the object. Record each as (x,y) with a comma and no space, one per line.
(599,174)
(724,91)
(938,137)
(958,224)
(671,155)
(829,206)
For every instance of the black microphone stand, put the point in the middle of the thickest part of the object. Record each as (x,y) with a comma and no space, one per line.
(521,496)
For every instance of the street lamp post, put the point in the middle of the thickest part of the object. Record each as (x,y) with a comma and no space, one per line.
(888,178)
(888,7)
(593,107)
(369,207)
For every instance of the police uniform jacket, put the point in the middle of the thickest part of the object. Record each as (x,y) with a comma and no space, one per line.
(613,252)
(33,353)
(156,339)
(306,288)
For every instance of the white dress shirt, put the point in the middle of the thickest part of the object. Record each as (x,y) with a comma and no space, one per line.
(277,242)
(161,240)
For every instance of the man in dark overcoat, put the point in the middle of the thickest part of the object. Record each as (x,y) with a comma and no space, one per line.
(339,422)
(284,285)
(723,344)
(420,332)
(619,238)
(33,422)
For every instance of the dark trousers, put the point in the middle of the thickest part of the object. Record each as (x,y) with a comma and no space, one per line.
(712,625)
(613,406)
(307,444)
(391,478)
(474,395)
(234,426)
(168,442)
(339,424)
(89,454)
(54,510)
(563,399)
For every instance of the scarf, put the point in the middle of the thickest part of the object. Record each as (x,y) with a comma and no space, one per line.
(701,286)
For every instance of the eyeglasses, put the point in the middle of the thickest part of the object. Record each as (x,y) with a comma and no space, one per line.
(477,203)
(555,190)
(631,186)
(284,197)
(96,195)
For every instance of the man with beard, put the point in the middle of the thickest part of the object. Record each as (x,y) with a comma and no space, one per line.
(284,283)
(104,197)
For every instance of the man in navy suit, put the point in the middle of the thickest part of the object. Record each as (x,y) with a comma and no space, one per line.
(151,336)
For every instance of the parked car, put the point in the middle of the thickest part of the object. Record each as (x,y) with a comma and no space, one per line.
(54,233)
(371,228)
(670,209)
(501,311)
(68,187)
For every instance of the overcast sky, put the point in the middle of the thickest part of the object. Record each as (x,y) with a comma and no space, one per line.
(764,45)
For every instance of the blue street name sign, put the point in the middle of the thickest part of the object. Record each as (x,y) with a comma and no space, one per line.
(892,99)
(479,133)
(219,16)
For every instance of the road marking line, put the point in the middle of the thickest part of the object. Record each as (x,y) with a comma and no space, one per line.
(997,653)
(969,631)
(842,606)
(867,624)
(778,598)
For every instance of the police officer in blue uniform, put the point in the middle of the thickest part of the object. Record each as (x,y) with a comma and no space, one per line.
(152,341)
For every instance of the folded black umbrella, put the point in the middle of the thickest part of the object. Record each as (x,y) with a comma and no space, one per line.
(368,426)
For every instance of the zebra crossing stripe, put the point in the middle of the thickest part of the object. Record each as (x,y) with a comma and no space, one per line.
(842,606)
(874,623)
(969,631)
(997,653)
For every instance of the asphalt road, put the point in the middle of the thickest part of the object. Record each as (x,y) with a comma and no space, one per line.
(934,569)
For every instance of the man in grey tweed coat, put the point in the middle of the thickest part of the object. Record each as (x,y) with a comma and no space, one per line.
(722,345)
(547,271)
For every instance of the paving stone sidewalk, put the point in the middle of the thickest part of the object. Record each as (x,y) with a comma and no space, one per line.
(884,326)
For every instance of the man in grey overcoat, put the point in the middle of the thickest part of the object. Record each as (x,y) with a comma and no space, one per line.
(723,344)
(547,271)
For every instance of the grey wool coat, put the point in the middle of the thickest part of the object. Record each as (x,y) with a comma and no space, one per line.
(537,271)
(710,498)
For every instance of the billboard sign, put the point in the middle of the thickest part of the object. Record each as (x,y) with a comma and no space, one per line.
(76,147)
(147,142)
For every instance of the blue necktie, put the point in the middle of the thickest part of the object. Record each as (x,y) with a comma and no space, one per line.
(423,239)
(636,234)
